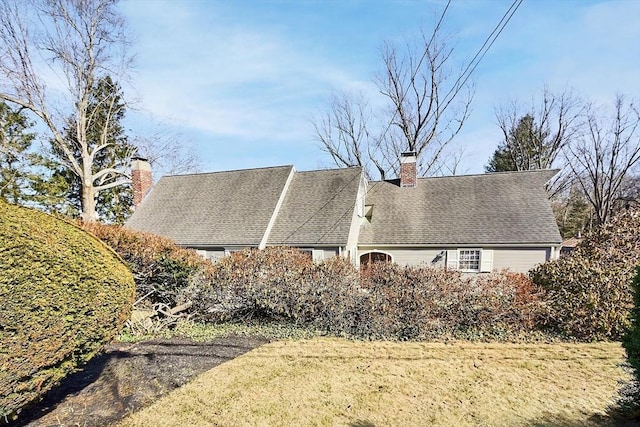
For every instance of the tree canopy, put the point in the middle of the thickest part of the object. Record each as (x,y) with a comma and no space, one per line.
(15,142)
(83,42)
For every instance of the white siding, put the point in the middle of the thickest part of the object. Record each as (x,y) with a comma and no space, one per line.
(515,259)
(321,254)
(410,256)
(212,254)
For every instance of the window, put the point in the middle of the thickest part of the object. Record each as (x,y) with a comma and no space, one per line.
(307,252)
(371,257)
(469,260)
(317,255)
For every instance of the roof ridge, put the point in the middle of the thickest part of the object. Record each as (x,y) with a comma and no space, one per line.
(350,168)
(486,174)
(228,171)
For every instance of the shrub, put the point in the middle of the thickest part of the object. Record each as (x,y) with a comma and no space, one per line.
(161,269)
(274,284)
(588,294)
(424,302)
(631,343)
(64,295)
(340,305)
(383,301)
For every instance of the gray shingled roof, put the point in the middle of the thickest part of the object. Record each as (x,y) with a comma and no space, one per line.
(318,208)
(501,208)
(220,208)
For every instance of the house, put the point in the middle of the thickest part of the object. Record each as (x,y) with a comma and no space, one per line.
(474,223)
(222,212)
(569,245)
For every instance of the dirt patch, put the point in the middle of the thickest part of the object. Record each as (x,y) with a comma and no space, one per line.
(127,377)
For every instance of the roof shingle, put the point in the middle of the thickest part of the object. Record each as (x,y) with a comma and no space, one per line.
(500,208)
(219,208)
(318,208)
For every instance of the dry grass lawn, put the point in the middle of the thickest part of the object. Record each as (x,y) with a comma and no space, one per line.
(327,382)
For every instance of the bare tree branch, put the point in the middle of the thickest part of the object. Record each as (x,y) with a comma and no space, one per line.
(604,154)
(167,151)
(415,80)
(80,40)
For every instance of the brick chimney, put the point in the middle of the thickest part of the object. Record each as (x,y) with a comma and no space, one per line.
(141,179)
(408,169)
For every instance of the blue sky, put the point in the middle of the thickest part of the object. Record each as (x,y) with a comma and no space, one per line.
(241,80)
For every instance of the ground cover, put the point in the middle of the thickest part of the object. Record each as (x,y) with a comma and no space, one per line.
(330,381)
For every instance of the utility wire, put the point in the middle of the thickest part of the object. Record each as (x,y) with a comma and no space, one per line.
(462,79)
(482,51)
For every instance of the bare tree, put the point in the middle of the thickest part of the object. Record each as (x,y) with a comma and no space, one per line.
(604,153)
(80,41)
(533,137)
(344,131)
(167,151)
(426,104)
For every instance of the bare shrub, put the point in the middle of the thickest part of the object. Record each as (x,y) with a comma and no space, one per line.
(162,270)
(588,294)
(423,302)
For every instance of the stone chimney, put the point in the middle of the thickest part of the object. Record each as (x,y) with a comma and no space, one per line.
(408,169)
(141,179)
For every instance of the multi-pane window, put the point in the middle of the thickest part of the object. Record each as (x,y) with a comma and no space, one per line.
(469,260)
(371,257)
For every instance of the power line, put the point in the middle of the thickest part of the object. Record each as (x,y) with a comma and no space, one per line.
(468,71)
(482,51)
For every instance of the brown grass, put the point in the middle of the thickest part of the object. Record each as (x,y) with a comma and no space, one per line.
(329,382)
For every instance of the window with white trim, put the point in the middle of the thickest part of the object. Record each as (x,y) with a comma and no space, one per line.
(469,259)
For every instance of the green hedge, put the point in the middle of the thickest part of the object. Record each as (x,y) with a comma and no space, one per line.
(64,294)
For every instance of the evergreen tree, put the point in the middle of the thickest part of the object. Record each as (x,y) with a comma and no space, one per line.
(573,213)
(525,148)
(15,159)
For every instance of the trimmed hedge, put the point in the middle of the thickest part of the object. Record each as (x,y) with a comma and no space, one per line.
(160,267)
(274,284)
(384,301)
(423,302)
(588,294)
(64,295)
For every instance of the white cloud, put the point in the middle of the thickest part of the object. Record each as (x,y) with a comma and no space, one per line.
(249,76)
(227,78)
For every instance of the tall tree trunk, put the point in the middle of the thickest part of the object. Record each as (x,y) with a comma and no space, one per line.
(89,213)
